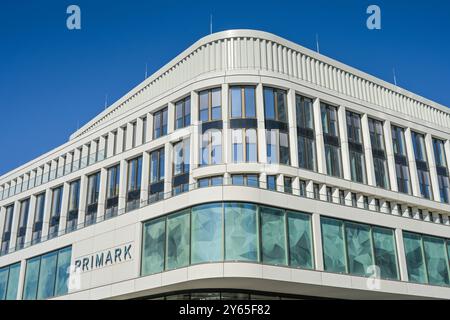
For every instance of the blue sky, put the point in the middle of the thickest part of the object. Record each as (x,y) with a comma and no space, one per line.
(53,79)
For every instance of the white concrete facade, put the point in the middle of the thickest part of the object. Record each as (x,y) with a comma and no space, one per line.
(222,60)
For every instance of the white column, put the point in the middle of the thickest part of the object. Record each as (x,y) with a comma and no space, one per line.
(20,285)
(292,116)
(323,192)
(64,208)
(348,198)
(320,146)
(110,147)
(129,137)
(412,163)
(145,179)
(310,189)
(170,118)
(296,186)
(69,161)
(139,131)
(102,194)
(150,125)
(335,195)
(401,255)
(370,169)
(119,145)
(196,129)
(317,235)
(47,209)
(123,185)
(432,165)
(83,200)
(342,118)
(390,155)
(262,147)
(168,154)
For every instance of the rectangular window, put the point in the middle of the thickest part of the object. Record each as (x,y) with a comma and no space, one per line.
(211,147)
(210,105)
(92,198)
(305,133)
(275,104)
(277,147)
(329,194)
(134,183)
(354,248)
(210,181)
(157,175)
(273,236)
(181,166)
(316,191)
(244,145)
(401,160)
(22,227)
(302,188)
(242,102)
(47,276)
(178,240)
(153,242)
(422,164)
(250,180)
(426,259)
(287,184)
(379,153)
(38,218)
(442,170)
(272,183)
(331,140)
(7,229)
(342,197)
(356,148)
(112,191)
(160,123)
(74,201)
(207,233)
(55,212)
(9,282)
(241,219)
(183,113)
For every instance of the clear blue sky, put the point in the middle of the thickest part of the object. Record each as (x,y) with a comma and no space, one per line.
(51,78)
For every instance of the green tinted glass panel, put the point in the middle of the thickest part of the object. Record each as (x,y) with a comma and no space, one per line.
(359,249)
(13,282)
(4,272)
(31,279)
(273,236)
(333,245)
(436,260)
(47,275)
(241,239)
(153,246)
(206,233)
(178,226)
(300,240)
(385,252)
(63,271)
(414,258)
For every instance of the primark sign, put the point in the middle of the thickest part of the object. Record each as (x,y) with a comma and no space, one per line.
(105,258)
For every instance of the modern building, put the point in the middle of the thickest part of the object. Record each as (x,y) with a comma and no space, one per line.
(247,167)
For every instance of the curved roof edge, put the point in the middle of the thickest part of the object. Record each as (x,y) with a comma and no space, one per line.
(262,35)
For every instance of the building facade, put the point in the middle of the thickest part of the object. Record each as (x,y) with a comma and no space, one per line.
(247,167)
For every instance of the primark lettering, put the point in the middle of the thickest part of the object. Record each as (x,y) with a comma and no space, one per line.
(104,258)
